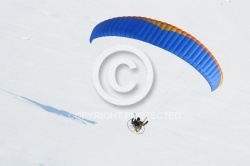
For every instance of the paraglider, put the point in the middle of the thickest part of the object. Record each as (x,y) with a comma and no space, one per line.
(167,37)
(137,126)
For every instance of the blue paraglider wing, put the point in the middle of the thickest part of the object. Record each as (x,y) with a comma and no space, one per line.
(167,37)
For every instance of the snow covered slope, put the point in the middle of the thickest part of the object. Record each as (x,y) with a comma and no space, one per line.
(46,64)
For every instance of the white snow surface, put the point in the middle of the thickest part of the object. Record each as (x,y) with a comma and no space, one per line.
(46,64)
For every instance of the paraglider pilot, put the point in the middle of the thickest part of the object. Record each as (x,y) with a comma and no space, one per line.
(138,123)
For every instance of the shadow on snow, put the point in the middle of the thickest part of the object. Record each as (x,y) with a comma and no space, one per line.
(54,110)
